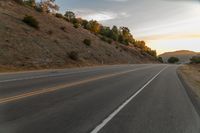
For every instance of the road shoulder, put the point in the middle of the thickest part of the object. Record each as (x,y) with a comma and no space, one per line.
(189,76)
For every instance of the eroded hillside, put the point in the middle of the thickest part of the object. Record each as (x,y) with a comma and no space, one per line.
(56,43)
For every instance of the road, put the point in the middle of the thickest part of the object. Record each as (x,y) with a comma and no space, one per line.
(147,98)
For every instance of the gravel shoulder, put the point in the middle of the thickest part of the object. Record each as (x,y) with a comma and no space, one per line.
(190,77)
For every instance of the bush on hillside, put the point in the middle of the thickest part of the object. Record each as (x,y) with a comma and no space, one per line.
(19,1)
(195,59)
(160,59)
(31,21)
(109,41)
(63,28)
(173,60)
(87,42)
(106,39)
(73,55)
(76,25)
(59,15)
(30,3)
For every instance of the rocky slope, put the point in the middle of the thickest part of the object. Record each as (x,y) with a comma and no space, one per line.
(53,45)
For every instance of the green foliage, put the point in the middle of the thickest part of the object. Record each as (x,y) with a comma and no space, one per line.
(76,25)
(122,34)
(73,55)
(84,24)
(30,3)
(87,42)
(173,60)
(160,59)
(108,40)
(70,16)
(31,21)
(195,59)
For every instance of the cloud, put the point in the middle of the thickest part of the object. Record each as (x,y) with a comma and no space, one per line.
(117,0)
(172,36)
(99,15)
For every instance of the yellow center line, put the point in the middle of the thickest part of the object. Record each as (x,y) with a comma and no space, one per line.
(51,89)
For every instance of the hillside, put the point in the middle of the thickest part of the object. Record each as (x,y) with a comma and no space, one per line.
(183,55)
(55,43)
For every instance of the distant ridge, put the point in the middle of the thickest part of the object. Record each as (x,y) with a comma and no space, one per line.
(183,55)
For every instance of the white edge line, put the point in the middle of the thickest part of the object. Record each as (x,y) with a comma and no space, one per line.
(113,114)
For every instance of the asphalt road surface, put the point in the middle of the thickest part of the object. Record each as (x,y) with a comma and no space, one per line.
(144,98)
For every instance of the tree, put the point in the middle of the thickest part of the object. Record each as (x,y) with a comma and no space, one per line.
(195,59)
(173,60)
(31,3)
(93,26)
(70,15)
(48,5)
(115,33)
(160,59)
(105,31)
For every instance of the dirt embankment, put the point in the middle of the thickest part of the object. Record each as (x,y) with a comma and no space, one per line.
(190,76)
(23,47)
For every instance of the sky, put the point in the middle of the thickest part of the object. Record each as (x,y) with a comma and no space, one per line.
(165,25)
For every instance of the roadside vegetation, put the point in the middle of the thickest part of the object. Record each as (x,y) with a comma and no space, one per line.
(115,34)
(195,60)
(173,60)
(160,59)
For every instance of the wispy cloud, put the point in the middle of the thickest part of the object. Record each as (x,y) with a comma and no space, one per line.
(117,0)
(99,15)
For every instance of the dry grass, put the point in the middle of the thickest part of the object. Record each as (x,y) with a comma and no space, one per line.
(191,74)
(22,46)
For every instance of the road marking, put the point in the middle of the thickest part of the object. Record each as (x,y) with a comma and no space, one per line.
(113,114)
(53,75)
(47,90)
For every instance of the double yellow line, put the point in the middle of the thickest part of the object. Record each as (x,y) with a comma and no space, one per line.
(51,89)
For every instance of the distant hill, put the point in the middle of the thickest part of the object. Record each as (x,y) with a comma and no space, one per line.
(183,55)
(56,44)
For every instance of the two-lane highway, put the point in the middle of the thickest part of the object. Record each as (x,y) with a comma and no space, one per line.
(111,99)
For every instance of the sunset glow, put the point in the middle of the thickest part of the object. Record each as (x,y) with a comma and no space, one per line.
(166,25)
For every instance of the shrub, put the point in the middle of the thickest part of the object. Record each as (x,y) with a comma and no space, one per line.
(173,60)
(31,21)
(109,41)
(50,32)
(103,38)
(76,25)
(19,1)
(73,55)
(160,59)
(30,3)
(39,8)
(63,28)
(87,42)
(195,59)
(58,15)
